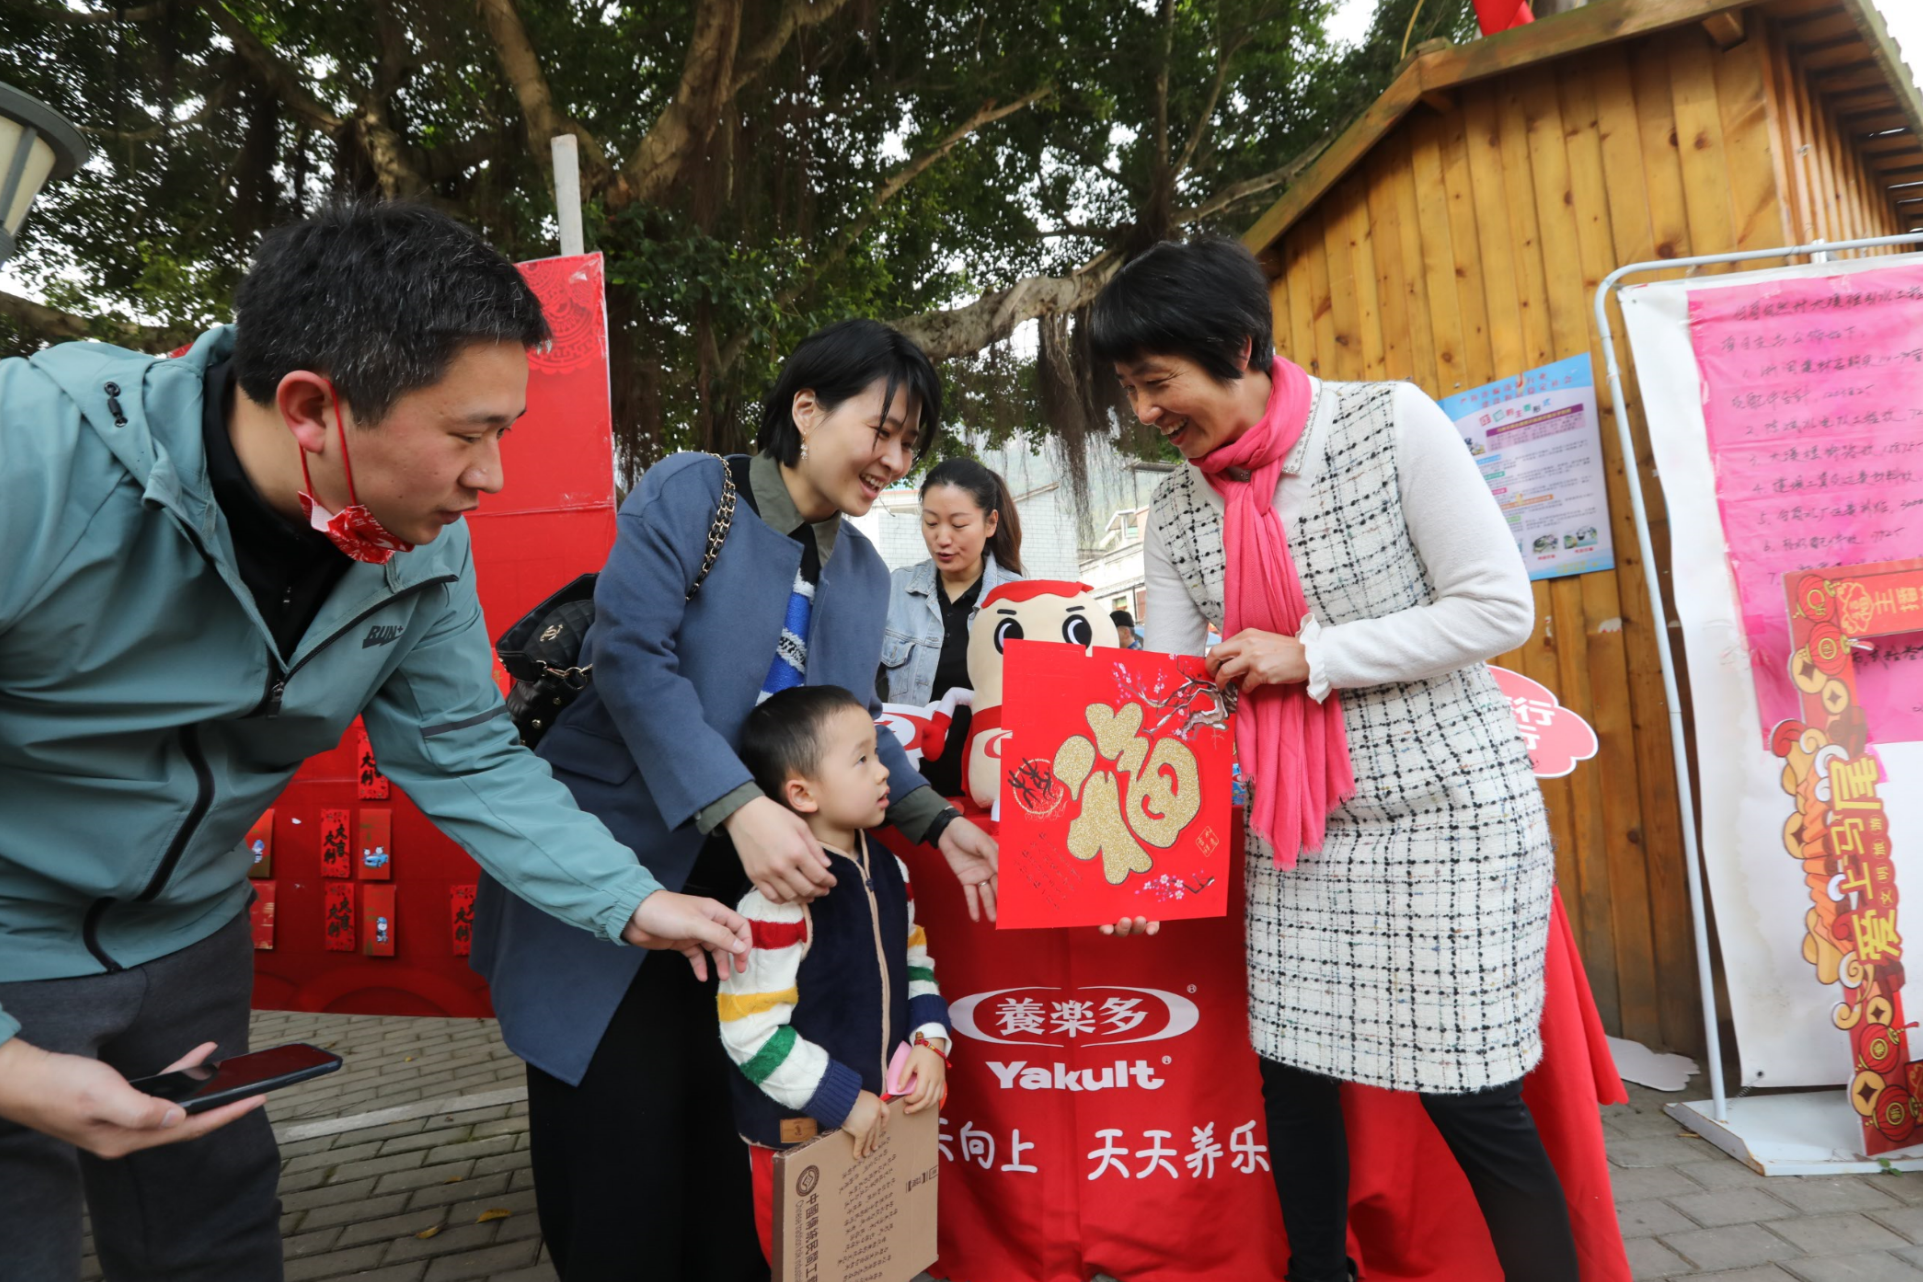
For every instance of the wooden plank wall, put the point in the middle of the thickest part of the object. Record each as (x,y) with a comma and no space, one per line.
(1468,246)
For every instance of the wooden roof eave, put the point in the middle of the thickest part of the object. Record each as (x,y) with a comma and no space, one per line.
(1600,22)
(1350,146)
(1441,69)
(1869,24)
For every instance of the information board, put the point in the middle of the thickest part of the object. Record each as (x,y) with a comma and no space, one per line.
(1535,437)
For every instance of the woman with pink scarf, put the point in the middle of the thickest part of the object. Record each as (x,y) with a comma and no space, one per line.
(1341,539)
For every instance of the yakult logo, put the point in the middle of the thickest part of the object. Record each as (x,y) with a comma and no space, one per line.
(1060,1017)
(1094,1017)
(1102,1015)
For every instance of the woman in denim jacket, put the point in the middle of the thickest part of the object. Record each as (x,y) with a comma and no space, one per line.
(974,538)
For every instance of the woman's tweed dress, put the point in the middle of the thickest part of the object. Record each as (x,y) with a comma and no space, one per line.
(1408,953)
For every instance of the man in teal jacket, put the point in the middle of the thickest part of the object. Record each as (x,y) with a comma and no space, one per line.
(209,566)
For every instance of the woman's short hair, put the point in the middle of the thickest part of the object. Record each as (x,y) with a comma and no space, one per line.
(839,362)
(1201,300)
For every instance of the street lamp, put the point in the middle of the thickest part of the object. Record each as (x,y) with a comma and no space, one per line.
(36,146)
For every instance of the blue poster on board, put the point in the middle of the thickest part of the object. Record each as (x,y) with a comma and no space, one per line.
(1539,445)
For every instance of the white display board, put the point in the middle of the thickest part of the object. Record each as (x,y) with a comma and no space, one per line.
(1781,1011)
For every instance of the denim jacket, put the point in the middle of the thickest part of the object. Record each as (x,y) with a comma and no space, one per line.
(911,645)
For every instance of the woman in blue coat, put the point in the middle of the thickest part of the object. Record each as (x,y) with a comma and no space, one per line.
(638,1170)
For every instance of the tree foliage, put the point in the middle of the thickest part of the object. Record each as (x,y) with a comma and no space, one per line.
(751,168)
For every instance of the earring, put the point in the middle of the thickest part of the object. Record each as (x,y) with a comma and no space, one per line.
(804,447)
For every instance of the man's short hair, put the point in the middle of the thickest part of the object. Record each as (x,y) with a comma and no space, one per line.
(782,737)
(1201,300)
(1122,619)
(379,296)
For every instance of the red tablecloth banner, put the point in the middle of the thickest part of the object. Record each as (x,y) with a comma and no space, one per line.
(1106,1115)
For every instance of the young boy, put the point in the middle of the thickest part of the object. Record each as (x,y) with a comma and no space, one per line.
(839,983)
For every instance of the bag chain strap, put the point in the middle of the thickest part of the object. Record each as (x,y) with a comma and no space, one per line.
(718,528)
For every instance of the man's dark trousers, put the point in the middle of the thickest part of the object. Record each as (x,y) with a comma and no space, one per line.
(205,1210)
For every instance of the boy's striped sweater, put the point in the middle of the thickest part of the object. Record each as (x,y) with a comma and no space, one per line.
(832,987)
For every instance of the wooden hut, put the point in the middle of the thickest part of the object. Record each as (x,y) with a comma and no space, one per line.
(1456,233)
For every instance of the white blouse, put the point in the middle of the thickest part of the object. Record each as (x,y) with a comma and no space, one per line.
(1484,605)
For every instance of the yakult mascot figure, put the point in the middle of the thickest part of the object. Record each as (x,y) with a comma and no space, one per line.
(1027,610)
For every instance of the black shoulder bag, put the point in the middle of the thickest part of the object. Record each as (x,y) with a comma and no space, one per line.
(542,651)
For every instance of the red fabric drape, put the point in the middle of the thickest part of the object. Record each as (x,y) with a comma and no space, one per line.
(1027,1195)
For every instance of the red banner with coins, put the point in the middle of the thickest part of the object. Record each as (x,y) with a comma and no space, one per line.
(1840,831)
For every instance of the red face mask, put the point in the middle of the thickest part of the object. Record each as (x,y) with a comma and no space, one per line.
(353,529)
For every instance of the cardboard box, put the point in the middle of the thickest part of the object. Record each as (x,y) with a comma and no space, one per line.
(841,1220)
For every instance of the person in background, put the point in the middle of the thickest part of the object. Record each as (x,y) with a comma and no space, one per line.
(839,983)
(974,538)
(638,1171)
(1125,629)
(1399,861)
(200,591)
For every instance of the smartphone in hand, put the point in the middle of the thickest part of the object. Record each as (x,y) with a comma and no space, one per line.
(218,1082)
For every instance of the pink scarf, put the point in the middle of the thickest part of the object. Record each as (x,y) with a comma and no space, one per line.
(1293,750)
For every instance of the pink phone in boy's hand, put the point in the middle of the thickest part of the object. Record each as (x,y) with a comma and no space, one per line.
(900,1080)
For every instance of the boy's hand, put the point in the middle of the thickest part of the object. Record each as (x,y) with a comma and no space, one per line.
(929,1073)
(866,1121)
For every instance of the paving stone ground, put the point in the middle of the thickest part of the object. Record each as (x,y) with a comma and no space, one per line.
(443,1192)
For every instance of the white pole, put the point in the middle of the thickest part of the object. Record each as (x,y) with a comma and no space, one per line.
(567,192)
(1659,622)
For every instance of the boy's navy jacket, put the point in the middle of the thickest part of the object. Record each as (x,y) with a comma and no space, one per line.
(652,740)
(852,995)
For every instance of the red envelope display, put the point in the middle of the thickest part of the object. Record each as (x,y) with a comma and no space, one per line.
(339,919)
(260,840)
(261,915)
(373,784)
(461,905)
(376,860)
(377,921)
(1116,789)
(336,857)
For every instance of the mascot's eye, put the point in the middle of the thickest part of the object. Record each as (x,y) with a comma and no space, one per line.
(1076,631)
(1007,630)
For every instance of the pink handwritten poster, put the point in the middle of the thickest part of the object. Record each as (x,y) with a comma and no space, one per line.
(1813,395)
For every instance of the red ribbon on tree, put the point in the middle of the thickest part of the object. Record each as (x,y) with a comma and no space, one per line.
(1500,15)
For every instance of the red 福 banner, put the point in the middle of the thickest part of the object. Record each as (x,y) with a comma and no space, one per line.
(1116,787)
(1840,831)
